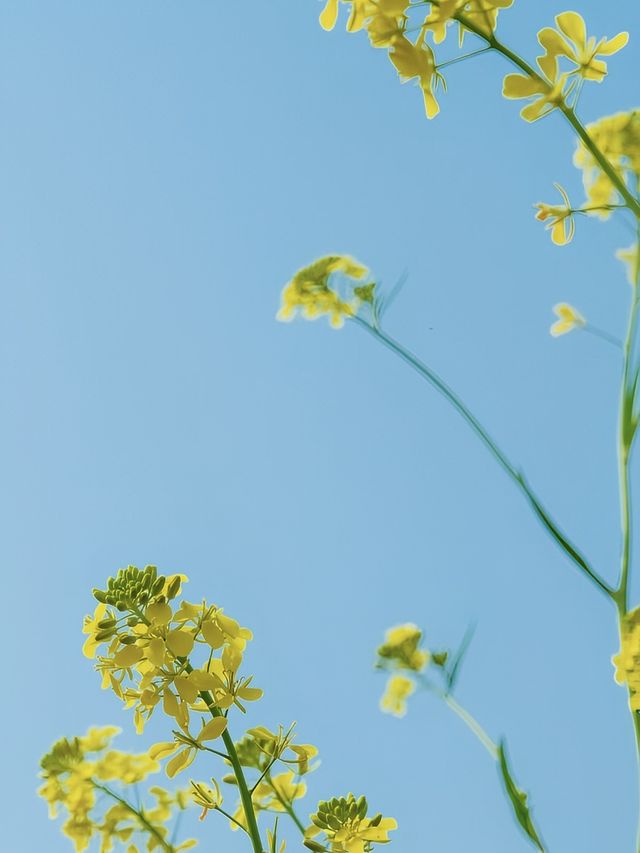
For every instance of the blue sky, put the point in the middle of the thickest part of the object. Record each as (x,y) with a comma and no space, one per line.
(165,168)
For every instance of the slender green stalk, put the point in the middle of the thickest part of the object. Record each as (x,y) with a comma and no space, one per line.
(139,815)
(472,724)
(627,426)
(288,807)
(517,476)
(238,772)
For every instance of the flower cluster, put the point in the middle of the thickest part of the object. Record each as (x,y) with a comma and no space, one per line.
(550,88)
(618,138)
(389,22)
(79,775)
(148,642)
(627,661)
(401,652)
(346,827)
(259,750)
(313,290)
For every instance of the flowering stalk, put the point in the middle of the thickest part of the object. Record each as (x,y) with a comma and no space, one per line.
(567,111)
(627,427)
(517,476)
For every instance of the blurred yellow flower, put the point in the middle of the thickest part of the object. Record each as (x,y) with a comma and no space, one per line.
(627,661)
(310,292)
(400,647)
(394,698)
(568,319)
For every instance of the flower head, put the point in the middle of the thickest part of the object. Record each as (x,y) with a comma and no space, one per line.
(569,318)
(401,648)
(346,826)
(558,218)
(570,40)
(627,661)
(313,290)
(394,698)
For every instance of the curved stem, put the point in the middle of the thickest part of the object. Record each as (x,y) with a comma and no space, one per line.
(517,476)
(149,827)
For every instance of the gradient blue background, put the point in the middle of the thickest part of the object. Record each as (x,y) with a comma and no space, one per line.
(165,167)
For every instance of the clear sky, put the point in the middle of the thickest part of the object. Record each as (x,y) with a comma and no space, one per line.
(165,167)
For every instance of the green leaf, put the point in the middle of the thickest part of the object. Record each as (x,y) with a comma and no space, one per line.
(517,797)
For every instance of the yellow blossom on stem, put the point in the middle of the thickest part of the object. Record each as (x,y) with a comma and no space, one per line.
(627,661)
(401,648)
(558,218)
(569,318)
(312,291)
(570,40)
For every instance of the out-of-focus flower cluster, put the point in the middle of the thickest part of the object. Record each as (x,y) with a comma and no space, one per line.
(143,642)
(346,828)
(77,775)
(627,661)
(315,290)
(399,654)
(259,751)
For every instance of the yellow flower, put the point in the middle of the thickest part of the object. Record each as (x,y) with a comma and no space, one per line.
(568,319)
(627,661)
(310,292)
(394,699)
(544,96)
(559,218)
(207,797)
(416,60)
(570,41)
(629,258)
(401,648)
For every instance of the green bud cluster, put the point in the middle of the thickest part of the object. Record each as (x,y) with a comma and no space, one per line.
(333,814)
(133,588)
(250,754)
(64,755)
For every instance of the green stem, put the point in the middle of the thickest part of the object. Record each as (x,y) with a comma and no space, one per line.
(287,807)
(517,476)
(149,827)
(472,724)
(245,793)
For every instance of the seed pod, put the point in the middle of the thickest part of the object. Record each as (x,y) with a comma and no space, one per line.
(100,596)
(375,820)
(132,620)
(107,623)
(158,585)
(101,636)
(121,605)
(127,639)
(174,587)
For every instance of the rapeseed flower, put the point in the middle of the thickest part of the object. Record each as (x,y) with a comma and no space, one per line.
(627,661)
(397,691)
(346,826)
(312,291)
(569,318)
(559,218)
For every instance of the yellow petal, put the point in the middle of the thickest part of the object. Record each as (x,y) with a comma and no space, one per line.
(519,86)
(610,46)
(213,729)
(180,761)
(573,26)
(180,642)
(329,15)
